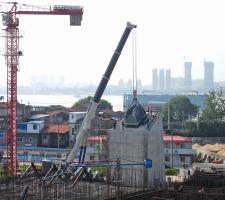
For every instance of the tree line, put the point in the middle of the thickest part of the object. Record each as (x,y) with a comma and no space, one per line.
(187,119)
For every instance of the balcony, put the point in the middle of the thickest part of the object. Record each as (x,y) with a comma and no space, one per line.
(94,150)
(180,151)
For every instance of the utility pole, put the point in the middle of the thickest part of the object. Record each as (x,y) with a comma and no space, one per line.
(58,132)
(197,112)
(170,131)
(168,122)
(171,149)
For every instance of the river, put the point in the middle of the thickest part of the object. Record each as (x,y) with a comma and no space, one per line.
(67,100)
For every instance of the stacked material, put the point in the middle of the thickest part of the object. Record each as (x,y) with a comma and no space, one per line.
(214,148)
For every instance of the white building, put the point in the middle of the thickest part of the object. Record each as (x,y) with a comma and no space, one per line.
(178,151)
(30,127)
(208,75)
(187,75)
(28,133)
(74,125)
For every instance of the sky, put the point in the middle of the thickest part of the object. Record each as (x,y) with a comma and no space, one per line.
(168,32)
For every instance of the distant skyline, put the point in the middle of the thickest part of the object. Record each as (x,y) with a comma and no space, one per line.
(168,33)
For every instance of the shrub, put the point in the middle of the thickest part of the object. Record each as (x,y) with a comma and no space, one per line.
(172,172)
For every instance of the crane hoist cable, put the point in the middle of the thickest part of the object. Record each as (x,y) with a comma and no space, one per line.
(134,61)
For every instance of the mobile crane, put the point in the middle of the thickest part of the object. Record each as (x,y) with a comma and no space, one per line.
(75,166)
(86,124)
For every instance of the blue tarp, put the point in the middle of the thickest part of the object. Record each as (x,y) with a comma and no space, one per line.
(22,157)
(22,126)
(1,134)
(37,148)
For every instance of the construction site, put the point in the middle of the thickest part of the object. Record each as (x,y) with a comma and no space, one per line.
(59,182)
(132,164)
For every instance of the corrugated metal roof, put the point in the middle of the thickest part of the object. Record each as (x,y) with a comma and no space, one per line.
(38,116)
(56,112)
(175,138)
(33,122)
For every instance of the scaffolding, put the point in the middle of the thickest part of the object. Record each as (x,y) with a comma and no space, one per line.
(35,185)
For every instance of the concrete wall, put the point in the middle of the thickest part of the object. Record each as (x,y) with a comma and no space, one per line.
(135,145)
(177,162)
(156,175)
(27,139)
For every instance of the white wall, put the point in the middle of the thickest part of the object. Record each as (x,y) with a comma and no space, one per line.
(74,116)
(35,127)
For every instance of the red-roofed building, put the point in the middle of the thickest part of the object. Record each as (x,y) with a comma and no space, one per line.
(175,138)
(97,145)
(55,136)
(76,118)
(96,138)
(178,151)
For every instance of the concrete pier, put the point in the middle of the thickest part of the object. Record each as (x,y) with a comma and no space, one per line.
(135,145)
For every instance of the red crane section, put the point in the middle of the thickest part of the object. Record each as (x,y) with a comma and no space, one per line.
(12,35)
(12,54)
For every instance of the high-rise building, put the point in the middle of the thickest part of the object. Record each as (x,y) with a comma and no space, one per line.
(155,79)
(208,75)
(139,86)
(168,79)
(187,75)
(161,79)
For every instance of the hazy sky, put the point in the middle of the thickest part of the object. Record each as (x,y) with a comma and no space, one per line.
(168,31)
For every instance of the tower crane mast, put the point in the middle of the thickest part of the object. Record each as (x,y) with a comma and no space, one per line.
(11,21)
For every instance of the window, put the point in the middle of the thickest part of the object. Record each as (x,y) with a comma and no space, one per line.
(73,129)
(92,157)
(177,144)
(182,159)
(1,134)
(167,158)
(30,139)
(35,126)
(76,127)
(72,116)
(167,145)
(182,145)
(44,137)
(20,139)
(92,144)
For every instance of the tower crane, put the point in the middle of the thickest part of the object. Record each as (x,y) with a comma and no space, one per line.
(10,12)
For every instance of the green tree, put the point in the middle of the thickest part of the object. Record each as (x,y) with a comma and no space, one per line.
(215,108)
(180,109)
(83,104)
(212,119)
